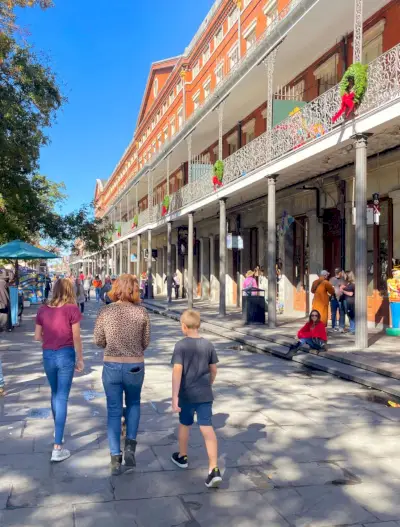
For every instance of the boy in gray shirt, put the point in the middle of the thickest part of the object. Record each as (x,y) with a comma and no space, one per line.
(194,371)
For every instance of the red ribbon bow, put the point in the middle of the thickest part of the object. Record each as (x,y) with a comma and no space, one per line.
(347,106)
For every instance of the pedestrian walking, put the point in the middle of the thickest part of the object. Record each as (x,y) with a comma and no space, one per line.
(4,311)
(176,284)
(123,330)
(79,294)
(337,303)
(194,372)
(349,292)
(322,290)
(47,287)
(97,284)
(58,328)
(312,334)
(87,285)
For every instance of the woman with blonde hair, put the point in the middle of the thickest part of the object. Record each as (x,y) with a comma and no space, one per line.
(349,293)
(123,330)
(58,328)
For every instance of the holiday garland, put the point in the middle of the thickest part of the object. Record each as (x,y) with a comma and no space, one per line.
(218,174)
(352,89)
(165,206)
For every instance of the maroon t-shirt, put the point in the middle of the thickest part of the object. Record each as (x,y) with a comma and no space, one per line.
(57,325)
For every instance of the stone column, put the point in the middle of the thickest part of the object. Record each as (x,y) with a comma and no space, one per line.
(316,251)
(138,255)
(261,245)
(212,266)
(222,257)
(361,296)
(190,261)
(204,269)
(271,256)
(169,262)
(395,197)
(149,266)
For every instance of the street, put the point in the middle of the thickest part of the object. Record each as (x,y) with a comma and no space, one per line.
(296,447)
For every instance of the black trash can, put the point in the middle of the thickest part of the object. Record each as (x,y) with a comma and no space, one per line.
(253,306)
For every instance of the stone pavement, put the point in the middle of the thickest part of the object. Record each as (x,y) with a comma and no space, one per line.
(297,447)
(382,356)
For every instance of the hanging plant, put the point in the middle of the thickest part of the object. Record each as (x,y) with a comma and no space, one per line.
(165,206)
(218,174)
(352,89)
(135,222)
(119,231)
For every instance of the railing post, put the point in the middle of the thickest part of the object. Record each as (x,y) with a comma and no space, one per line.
(269,63)
(358,31)
(271,253)
(361,294)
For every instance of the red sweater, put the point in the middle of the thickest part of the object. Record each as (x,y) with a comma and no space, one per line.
(310,332)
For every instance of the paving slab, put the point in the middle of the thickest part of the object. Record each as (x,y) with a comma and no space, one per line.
(60,516)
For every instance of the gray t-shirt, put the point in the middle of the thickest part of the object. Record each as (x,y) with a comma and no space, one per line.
(337,282)
(195,355)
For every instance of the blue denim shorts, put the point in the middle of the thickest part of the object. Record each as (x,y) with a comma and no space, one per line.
(203,412)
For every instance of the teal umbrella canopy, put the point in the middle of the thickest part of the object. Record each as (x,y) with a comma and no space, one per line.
(18,250)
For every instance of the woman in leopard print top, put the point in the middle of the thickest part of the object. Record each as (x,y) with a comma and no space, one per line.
(123,330)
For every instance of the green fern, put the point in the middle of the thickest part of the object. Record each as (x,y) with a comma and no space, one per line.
(359,73)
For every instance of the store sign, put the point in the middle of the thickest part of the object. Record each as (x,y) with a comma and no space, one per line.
(234,241)
(133,258)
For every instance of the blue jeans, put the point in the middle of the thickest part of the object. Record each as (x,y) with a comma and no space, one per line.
(98,291)
(336,306)
(311,343)
(59,366)
(349,307)
(1,376)
(118,378)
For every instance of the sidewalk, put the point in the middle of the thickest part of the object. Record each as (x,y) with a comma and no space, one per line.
(382,356)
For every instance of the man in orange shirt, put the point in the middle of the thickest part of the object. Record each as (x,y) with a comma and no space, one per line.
(97,284)
(322,290)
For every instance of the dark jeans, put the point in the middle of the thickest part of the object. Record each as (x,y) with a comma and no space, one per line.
(87,294)
(82,306)
(98,291)
(118,379)
(59,366)
(313,345)
(349,308)
(337,305)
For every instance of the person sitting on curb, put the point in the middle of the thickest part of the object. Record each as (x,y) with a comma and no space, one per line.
(312,334)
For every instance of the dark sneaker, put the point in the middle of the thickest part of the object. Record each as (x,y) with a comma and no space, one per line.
(180,461)
(116,462)
(214,479)
(129,453)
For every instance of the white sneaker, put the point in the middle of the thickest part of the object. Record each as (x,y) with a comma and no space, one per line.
(60,455)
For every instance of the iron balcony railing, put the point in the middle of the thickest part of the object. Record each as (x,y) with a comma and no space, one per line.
(308,124)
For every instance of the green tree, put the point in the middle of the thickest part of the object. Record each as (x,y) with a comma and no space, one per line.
(7,12)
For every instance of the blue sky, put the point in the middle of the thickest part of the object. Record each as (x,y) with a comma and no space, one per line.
(102,51)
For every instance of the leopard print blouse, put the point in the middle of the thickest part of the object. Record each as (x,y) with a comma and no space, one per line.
(123,330)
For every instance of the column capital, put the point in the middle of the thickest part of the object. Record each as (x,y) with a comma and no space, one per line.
(223,200)
(272,178)
(361,137)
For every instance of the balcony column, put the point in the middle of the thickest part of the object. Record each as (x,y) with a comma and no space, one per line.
(271,255)
(189,143)
(149,266)
(168,169)
(220,130)
(121,255)
(128,265)
(358,31)
(269,63)
(150,195)
(212,267)
(169,262)
(114,267)
(190,260)
(138,251)
(222,257)
(361,295)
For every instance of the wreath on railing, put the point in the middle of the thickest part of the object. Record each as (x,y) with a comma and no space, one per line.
(218,174)
(135,222)
(352,89)
(119,231)
(165,206)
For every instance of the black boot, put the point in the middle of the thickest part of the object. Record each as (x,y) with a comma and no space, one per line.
(294,347)
(129,454)
(116,462)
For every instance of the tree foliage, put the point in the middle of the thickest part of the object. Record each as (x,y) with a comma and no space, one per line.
(7,12)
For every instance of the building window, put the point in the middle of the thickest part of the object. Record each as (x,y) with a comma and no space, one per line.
(173,126)
(250,35)
(206,54)
(171,98)
(232,141)
(180,117)
(249,131)
(326,74)
(298,91)
(153,124)
(164,107)
(218,37)
(159,142)
(207,88)
(154,147)
(219,73)
(271,11)
(233,18)
(196,69)
(196,100)
(158,116)
(179,87)
(148,131)
(166,134)
(155,87)
(246,3)
(233,56)
(373,42)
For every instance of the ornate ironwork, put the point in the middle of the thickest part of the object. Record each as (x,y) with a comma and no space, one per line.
(269,63)
(358,31)
(189,143)
(220,110)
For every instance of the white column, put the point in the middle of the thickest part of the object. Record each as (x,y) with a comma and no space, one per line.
(149,265)
(395,196)
(190,261)
(316,250)
(121,256)
(189,144)
(261,244)
(358,31)
(220,130)
(128,267)
(169,261)
(222,257)
(271,251)
(138,255)
(212,267)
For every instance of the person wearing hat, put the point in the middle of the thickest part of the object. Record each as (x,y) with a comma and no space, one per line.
(322,290)
(337,301)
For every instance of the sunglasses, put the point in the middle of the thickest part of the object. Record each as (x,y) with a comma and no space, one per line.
(314,316)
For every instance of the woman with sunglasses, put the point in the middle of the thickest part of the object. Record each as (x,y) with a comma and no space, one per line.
(312,334)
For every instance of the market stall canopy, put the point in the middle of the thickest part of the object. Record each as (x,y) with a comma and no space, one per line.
(18,250)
